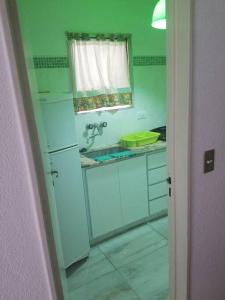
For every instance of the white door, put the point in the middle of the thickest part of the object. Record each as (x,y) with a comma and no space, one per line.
(59,122)
(70,203)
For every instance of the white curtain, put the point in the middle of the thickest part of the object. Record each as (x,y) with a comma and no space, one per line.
(100,67)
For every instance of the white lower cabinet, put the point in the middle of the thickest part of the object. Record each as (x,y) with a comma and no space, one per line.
(125,192)
(133,189)
(157,185)
(157,175)
(158,206)
(104,201)
(157,159)
(117,195)
(158,190)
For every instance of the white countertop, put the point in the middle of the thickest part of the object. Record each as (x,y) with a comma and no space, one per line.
(88,162)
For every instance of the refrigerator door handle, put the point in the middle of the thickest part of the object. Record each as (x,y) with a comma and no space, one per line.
(54,172)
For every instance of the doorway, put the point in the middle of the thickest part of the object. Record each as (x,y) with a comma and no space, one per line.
(151,225)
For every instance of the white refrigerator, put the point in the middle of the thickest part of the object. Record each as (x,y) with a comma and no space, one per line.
(59,122)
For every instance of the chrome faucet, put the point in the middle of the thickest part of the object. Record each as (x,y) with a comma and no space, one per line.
(96,126)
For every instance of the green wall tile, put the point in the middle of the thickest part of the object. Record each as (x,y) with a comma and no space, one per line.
(46,62)
(149,60)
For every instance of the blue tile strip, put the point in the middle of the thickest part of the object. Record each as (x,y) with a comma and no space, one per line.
(51,62)
(47,62)
(149,60)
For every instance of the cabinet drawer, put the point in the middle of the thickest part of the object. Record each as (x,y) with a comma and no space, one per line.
(156,160)
(157,190)
(157,175)
(158,205)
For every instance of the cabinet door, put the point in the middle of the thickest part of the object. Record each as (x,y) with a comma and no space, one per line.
(133,189)
(104,199)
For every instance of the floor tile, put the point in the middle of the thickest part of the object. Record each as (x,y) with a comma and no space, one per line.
(90,269)
(148,276)
(161,225)
(130,246)
(108,287)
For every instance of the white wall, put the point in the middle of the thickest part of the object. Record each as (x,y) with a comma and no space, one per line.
(125,121)
(208,131)
(24,269)
(48,22)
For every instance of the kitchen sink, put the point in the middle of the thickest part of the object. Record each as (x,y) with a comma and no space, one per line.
(102,152)
(108,153)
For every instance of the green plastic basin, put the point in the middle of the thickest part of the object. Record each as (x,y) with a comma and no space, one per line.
(139,139)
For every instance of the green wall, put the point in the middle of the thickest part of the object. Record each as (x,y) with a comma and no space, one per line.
(50,19)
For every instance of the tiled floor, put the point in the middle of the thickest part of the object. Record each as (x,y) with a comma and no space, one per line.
(132,266)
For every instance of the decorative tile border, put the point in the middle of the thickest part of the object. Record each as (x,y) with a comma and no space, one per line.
(149,60)
(97,36)
(50,62)
(47,62)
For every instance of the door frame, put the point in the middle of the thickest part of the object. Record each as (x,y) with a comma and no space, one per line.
(179,129)
(179,55)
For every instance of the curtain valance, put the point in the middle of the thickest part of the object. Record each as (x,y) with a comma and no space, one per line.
(97,36)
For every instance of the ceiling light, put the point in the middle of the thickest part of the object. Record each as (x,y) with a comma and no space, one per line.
(159,15)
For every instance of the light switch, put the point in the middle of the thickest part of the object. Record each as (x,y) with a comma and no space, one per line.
(209,160)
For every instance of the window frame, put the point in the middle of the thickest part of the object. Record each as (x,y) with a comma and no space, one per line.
(110,36)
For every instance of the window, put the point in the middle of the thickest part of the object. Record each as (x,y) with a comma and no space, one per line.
(100,74)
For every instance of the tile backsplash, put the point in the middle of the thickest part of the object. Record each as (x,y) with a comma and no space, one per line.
(46,62)
(149,60)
